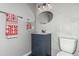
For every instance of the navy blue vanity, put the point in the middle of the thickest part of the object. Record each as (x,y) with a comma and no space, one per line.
(41,44)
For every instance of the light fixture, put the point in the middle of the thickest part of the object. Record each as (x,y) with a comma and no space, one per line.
(38,7)
(49,6)
(44,6)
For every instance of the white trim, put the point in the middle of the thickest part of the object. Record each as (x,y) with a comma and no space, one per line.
(27,54)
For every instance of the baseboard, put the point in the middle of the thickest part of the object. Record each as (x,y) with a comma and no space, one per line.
(27,54)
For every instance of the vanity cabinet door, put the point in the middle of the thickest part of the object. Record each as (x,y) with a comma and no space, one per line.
(40,45)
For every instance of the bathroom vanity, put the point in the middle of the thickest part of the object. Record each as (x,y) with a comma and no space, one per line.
(41,44)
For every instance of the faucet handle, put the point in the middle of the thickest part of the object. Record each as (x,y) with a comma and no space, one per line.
(43,31)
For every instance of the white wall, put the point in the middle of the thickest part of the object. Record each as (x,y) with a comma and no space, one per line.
(22,44)
(65,22)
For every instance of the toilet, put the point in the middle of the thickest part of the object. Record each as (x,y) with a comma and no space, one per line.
(67,46)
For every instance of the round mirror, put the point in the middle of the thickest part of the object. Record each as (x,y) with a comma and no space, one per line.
(45,17)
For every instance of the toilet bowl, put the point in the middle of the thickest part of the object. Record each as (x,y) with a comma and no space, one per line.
(67,46)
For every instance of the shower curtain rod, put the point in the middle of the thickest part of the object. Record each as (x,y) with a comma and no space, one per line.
(6,13)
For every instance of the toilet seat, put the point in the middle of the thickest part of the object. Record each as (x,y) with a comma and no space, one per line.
(62,53)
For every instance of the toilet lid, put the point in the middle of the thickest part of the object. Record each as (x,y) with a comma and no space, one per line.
(61,53)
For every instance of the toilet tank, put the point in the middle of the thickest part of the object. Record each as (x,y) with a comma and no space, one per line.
(68,44)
